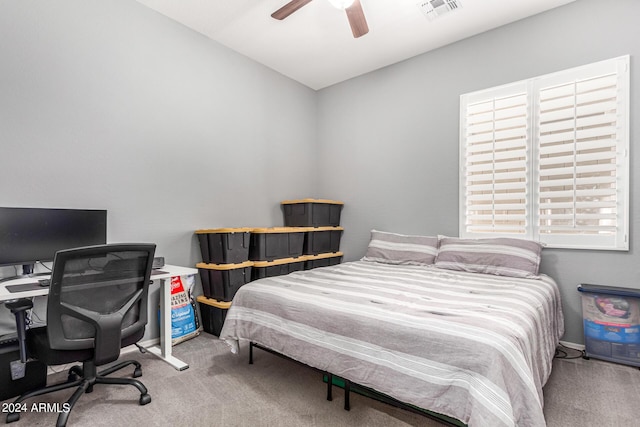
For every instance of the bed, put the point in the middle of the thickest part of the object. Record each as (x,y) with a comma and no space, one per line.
(473,346)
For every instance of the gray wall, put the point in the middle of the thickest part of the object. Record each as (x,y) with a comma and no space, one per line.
(110,105)
(388,141)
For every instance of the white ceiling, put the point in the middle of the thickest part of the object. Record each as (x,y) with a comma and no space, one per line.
(314,45)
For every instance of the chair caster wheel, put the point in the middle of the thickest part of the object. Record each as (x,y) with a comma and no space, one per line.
(12,417)
(137,373)
(144,399)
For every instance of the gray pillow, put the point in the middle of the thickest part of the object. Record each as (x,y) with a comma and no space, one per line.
(393,248)
(499,256)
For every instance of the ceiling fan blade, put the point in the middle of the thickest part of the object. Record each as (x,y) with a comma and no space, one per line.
(289,8)
(357,20)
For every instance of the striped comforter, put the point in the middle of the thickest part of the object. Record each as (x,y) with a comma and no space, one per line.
(472,346)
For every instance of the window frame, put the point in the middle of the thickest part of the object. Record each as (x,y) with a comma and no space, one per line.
(619,239)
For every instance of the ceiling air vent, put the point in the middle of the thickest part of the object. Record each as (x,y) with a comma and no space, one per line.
(436,8)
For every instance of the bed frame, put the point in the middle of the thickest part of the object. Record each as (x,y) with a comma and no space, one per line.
(349,386)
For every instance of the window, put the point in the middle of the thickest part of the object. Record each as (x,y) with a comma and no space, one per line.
(547,158)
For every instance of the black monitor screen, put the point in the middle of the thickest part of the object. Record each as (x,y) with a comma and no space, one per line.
(28,235)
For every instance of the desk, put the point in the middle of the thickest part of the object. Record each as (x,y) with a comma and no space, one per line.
(163,350)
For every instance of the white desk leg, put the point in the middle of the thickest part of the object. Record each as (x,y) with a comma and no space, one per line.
(163,351)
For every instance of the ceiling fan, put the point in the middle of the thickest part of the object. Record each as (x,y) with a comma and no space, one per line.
(355,15)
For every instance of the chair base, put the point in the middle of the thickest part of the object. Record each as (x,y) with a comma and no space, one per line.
(83,379)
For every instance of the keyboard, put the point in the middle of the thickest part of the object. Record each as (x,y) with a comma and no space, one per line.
(31,286)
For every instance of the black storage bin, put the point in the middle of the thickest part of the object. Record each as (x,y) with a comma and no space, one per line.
(213,314)
(322,260)
(35,373)
(268,244)
(224,245)
(311,212)
(222,281)
(278,267)
(322,240)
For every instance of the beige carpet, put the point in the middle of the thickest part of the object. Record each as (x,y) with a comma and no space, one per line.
(222,389)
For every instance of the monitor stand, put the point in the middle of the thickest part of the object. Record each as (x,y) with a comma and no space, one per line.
(27,269)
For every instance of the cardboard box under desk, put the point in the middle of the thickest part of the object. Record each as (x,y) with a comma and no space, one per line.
(35,373)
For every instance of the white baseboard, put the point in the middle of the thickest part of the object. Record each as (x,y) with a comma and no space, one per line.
(572,345)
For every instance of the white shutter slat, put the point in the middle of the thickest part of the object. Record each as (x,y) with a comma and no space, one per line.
(590,180)
(591,157)
(480,119)
(597,132)
(555,115)
(578,205)
(513,155)
(579,217)
(564,90)
(591,109)
(563,194)
(480,138)
(558,125)
(558,160)
(551,138)
(518,121)
(508,166)
(563,160)
(494,197)
(480,157)
(479,147)
(480,127)
(511,134)
(564,102)
(597,144)
(549,173)
(600,95)
(600,82)
(480,108)
(511,186)
(510,102)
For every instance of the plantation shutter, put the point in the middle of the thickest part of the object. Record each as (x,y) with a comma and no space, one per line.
(495,163)
(581,158)
(547,158)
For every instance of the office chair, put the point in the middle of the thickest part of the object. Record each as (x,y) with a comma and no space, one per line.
(97,304)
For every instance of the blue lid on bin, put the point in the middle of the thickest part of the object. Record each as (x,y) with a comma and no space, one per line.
(610,290)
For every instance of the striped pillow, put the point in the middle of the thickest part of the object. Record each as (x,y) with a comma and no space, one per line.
(392,248)
(500,256)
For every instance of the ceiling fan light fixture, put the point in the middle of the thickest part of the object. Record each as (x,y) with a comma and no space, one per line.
(341,4)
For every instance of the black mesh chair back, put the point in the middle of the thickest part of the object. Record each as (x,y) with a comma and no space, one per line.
(97,304)
(98,297)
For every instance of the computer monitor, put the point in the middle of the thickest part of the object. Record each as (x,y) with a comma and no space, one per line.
(30,235)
